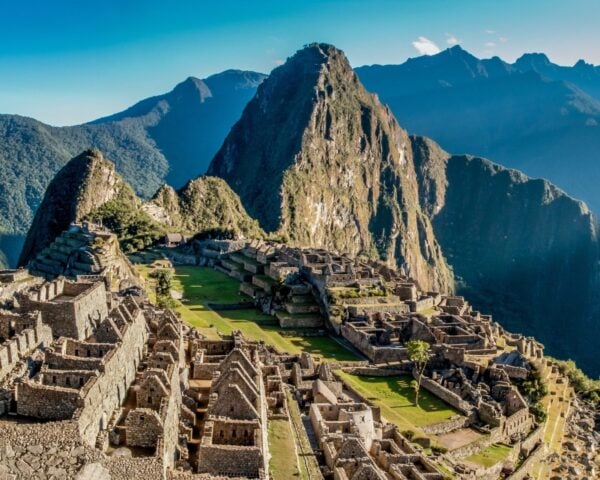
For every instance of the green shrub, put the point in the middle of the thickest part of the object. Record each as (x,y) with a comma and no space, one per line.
(409,434)
(438,449)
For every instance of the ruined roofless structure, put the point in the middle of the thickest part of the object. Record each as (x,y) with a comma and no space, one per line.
(128,390)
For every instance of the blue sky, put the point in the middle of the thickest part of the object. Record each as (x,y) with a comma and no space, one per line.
(66,62)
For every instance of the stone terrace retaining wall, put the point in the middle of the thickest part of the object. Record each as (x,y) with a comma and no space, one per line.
(525,468)
(446,395)
(447,426)
(42,450)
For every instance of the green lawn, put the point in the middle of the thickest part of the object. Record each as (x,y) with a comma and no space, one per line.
(491,455)
(284,462)
(203,285)
(395,397)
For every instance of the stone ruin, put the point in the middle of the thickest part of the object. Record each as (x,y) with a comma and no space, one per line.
(85,250)
(129,391)
(377,309)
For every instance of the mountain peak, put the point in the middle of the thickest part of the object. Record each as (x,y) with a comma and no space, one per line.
(192,86)
(86,182)
(533,60)
(341,176)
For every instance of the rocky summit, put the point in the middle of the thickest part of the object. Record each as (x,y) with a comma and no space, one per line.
(319,160)
(84,184)
(89,189)
(169,137)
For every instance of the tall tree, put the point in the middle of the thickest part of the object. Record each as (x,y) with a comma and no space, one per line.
(419,354)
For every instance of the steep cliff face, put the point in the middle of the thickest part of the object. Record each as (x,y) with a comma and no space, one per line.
(84,184)
(203,205)
(320,160)
(520,248)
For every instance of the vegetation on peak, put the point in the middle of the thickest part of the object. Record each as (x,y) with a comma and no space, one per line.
(341,177)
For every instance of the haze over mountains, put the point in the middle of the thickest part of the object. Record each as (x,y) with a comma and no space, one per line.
(345,176)
(319,161)
(533,115)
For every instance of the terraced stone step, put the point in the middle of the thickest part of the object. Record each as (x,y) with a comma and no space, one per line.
(49,261)
(249,264)
(301,320)
(231,265)
(219,268)
(378,307)
(263,282)
(58,256)
(249,289)
(375,300)
(240,275)
(295,308)
(40,268)
(302,299)
(300,289)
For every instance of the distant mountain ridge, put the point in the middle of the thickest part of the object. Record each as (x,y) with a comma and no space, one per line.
(533,115)
(170,137)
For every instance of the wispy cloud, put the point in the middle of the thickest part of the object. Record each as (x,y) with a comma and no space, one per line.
(489,31)
(278,61)
(490,44)
(451,39)
(503,39)
(425,46)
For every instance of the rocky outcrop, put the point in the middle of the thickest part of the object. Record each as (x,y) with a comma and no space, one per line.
(84,184)
(205,204)
(520,248)
(319,160)
(89,189)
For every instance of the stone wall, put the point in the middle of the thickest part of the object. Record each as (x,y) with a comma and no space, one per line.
(127,468)
(47,402)
(377,354)
(447,426)
(525,468)
(71,309)
(446,395)
(42,450)
(143,428)
(22,344)
(108,392)
(93,404)
(169,413)
(219,460)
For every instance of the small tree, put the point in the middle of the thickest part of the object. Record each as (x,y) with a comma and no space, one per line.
(418,352)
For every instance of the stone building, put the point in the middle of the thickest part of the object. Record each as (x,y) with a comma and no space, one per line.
(72,309)
(236,422)
(20,336)
(85,380)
